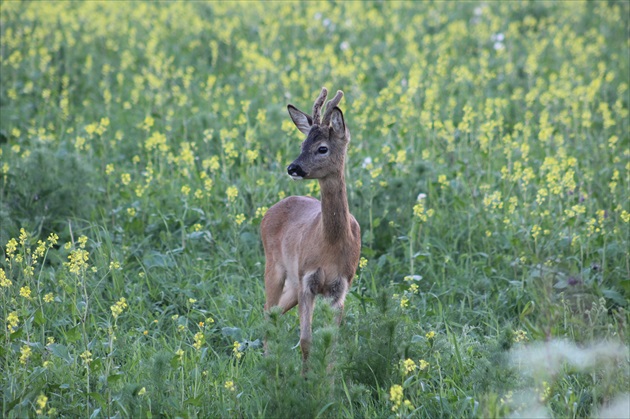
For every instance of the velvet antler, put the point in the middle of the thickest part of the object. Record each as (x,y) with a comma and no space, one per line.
(317,106)
(330,106)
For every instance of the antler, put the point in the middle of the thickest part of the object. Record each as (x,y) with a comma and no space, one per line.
(317,106)
(330,106)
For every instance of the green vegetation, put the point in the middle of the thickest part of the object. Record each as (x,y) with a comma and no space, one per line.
(489,168)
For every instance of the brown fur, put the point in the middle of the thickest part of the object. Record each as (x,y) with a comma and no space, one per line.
(313,247)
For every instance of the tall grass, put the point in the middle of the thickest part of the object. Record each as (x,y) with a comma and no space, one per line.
(141,144)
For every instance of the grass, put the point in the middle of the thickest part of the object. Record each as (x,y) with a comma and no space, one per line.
(489,169)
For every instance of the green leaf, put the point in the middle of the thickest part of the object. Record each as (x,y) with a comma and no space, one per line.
(98,397)
(73,334)
(39,319)
(114,378)
(232,332)
(194,401)
(615,296)
(61,351)
(155,259)
(417,338)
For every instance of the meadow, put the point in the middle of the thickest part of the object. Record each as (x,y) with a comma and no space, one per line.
(489,168)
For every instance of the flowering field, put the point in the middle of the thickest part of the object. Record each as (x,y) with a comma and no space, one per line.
(489,168)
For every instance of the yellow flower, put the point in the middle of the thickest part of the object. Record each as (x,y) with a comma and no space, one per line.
(4,281)
(25,292)
(430,335)
(23,236)
(423,365)
(544,392)
(396,396)
(251,155)
(142,391)
(11,248)
(77,261)
(229,385)
(239,219)
(261,211)
(41,403)
(148,123)
(12,321)
(536,231)
(40,249)
(409,365)
(119,307)
(49,298)
(86,356)
(236,350)
(363,263)
(442,181)
(404,302)
(50,340)
(199,340)
(232,193)
(125,178)
(520,335)
(25,354)
(185,190)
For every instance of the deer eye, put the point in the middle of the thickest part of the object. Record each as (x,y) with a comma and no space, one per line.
(322,150)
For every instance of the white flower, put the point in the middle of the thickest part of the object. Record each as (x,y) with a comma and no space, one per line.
(366,162)
(421,196)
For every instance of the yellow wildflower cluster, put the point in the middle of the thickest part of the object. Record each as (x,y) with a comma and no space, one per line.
(119,307)
(421,212)
(199,340)
(396,396)
(86,357)
(25,354)
(229,385)
(13,321)
(4,281)
(236,350)
(40,404)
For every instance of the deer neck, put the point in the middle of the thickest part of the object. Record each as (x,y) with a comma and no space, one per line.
(335,213)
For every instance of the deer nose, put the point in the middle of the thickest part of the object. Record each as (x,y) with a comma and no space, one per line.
(295,171)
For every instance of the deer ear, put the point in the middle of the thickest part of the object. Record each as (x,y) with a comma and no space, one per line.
(300,119)
(337,122)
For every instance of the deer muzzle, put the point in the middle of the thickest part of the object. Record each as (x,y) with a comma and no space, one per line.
(296,171)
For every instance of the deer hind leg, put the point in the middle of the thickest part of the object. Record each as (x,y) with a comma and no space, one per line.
(338,292)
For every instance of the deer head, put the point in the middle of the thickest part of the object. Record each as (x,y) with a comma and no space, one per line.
(324,149)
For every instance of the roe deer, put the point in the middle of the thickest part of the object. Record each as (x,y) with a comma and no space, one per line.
(311,247)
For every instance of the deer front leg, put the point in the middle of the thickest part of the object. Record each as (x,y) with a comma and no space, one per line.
(306,303)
